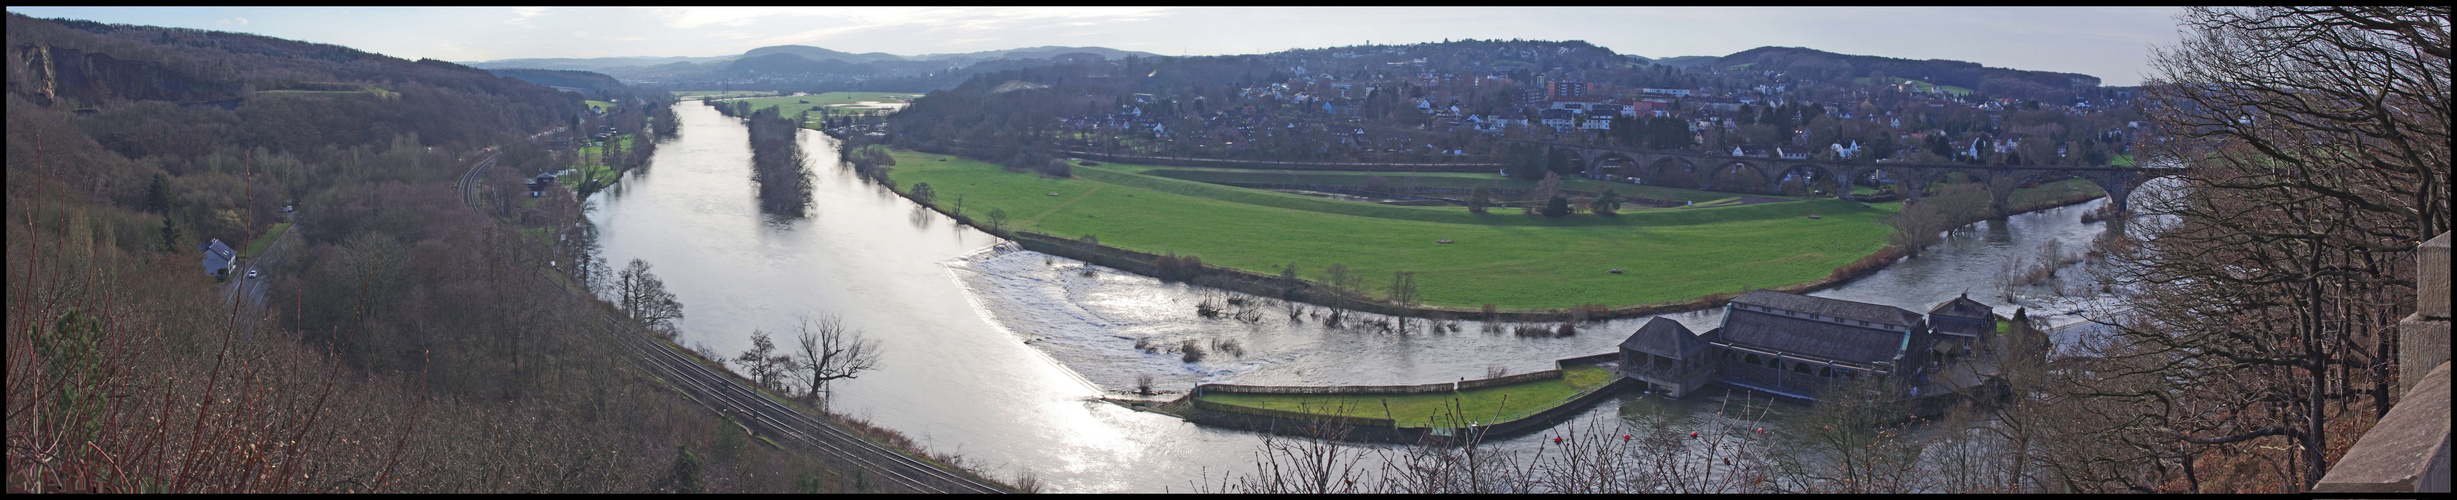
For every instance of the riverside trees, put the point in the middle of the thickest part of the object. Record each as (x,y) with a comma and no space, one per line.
(2264,291)
(644,300)
(777,162)
(828,351)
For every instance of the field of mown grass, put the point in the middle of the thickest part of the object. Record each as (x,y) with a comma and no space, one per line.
(718,94)
(1922,86)
(1486,405)
(1428,179)
(263,241)
(1507,259)
(589,165)
(789,106)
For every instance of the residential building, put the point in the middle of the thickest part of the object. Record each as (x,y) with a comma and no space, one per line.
(217,257)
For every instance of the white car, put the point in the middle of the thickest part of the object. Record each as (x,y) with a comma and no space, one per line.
(251,274)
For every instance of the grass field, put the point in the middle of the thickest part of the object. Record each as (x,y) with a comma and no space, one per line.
(378,92)
(1487,405)
(1923,86)
(608,106)
(789,106)
(718,94)
(589,169)
(264,241)
(1507,259)
(1429,179)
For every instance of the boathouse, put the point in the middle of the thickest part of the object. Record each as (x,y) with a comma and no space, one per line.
(1964,329)
(1794,346)
(1668,357)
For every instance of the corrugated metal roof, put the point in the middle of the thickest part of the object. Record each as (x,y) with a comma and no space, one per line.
(1837,308)
(1667,338)
(1963,307)
(1812,338)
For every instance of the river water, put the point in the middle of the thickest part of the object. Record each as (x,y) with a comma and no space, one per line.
(999,355)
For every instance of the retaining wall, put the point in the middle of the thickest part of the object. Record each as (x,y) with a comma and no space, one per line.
(1510,379)
(1595,359)
(1295,415)
(1342,389)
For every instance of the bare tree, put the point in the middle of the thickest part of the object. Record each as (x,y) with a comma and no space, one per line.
(829,351)
(2315,146)
(768,367)
(1403,287)
(644,299)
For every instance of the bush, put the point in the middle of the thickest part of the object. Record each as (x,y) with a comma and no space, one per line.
(1057,168)
(1229,347)
(1192,350)
(1557,207)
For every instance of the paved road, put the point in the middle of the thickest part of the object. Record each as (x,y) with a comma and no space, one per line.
(729,396)
(253,290)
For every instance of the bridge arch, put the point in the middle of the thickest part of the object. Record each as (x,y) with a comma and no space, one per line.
(1727,168)
(1614,165)
(1814,174)
(1670,171)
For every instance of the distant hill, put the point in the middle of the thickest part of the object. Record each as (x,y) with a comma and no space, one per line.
(1844,70)
(819,54)
(565,79)
(1042,52)
(796,63)
(589,64)
(1686,61)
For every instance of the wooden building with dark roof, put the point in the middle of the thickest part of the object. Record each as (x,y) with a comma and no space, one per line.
(1964,329)
(1668,357)
(1793,345)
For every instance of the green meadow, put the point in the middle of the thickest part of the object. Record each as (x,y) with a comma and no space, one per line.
(1922,86)
(841,102)
(1507,259)
(1487,405)
(718,94)
(590,164)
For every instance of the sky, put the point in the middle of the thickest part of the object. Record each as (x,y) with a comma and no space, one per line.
(2112,43)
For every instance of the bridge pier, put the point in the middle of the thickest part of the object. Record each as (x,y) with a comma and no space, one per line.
(2000,195)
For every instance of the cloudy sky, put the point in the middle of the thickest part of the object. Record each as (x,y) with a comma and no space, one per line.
(2111,43)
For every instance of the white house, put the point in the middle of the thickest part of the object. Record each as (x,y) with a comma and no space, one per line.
(1841,150)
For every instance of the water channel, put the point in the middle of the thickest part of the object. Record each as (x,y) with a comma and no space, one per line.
(999,355)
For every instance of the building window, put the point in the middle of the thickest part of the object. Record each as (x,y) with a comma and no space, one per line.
(1803,368)
(1827,372)
(1751,359)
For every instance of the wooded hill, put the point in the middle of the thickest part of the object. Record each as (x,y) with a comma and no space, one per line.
(1842,69)
(427,358)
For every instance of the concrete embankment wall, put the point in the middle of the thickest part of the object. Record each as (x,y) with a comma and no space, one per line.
(1385,429)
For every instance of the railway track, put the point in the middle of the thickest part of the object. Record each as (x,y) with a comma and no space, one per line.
(741,403)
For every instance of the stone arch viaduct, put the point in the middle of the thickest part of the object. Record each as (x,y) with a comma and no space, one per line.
(1706,168)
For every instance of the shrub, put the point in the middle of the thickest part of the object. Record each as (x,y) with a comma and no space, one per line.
(1557,207)
(1192,350)
(1057,168)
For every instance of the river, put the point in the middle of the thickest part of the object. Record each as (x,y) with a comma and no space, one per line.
(999,355)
